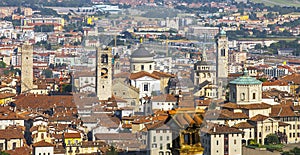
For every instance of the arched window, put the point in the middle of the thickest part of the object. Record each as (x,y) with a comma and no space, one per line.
(223,52)
(104,58)
(242,96)
(42,136)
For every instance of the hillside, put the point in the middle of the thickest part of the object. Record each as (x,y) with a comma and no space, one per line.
(295,3)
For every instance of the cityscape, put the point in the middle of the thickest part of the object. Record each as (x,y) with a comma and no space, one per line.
(149,77)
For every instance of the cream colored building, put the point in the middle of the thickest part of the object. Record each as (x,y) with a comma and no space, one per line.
(141,60)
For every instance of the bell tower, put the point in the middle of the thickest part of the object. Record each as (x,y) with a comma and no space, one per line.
(26,68)
(104,73)
(222,62)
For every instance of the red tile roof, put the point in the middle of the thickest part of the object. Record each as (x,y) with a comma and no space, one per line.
(42,143)
(140,74)
(72,135)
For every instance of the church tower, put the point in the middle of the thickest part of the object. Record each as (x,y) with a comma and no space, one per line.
(104,74)
(222,62)
(26,68)
(222,56)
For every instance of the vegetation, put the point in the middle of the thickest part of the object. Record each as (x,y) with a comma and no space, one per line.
(47,73)
(272,139)
(3,153)
(2,64)
(294,151)
(38,3)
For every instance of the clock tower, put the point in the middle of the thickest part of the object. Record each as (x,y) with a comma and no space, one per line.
(104,73)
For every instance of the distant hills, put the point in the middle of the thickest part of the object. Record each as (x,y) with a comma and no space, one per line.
(295,3)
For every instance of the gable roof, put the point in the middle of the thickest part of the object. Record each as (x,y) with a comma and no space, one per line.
(140,74)
(243,125)
(259,117)
(164,98)
(11,134)
(42,143)
(213,129)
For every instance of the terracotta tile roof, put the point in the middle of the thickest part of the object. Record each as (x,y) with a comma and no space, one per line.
(282,110)
(224,115)
(243,125)
(295,78)
(162,74)
(7,95)
(72,135)
(18,151)
(122,75)
(140,74)
(275,83)
(212,129)
(252,106)
(164,98)
(156,125)
(42,143)
(11,134)
(185,118)
(115,136)
(45,102)
(258,117)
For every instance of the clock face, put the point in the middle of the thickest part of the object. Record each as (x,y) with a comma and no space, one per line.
(104,73)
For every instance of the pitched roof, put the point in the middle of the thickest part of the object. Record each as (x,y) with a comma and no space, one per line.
(72,135)
(115,136)
(140,74)
(282,111)
(11,134)
(212,129)
(141,52)
(243,125)
(42,143)
(259,117)
(275,83)
(224,115)
(162,74)
(164,98)
(295,78)
(19,150)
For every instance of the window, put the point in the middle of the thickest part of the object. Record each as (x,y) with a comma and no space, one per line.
(14,145)
(168,138)
(133,67)
(234,142)
(104,58)
(161,147)
(42,136)
(242,96)
(253,97)
(146,87)
(223,52)
(69,142)
(142,67)
(150,67)
(154,139)
(1,146)
(161,138)
(154,146)
(217,142)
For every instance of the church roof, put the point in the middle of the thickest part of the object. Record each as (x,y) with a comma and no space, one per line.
(141,52)
(245,80)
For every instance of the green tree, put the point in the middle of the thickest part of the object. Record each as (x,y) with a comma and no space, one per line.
(3,153)
(47,73)
(2,64)
(272,139)
(67,88)
(112,151)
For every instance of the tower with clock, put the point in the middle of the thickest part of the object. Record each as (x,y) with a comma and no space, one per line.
(104,73)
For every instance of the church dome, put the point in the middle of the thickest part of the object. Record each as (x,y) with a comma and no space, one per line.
(141,52)
(246,80)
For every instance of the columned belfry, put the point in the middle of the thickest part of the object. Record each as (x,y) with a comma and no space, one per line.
(104,74)
(26,68)
(222,62)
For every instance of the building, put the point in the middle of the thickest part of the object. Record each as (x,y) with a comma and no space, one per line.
(245,90)
(43,148)
(222,62)
(11,139)
(27,68)
(141,60)
(221,139)
(104,74)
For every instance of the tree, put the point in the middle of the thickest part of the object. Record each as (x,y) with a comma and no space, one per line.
(2,64)
(67,88)
(257,46)
(272,139)
(47,73)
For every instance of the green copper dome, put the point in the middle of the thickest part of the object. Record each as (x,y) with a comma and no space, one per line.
(245,80)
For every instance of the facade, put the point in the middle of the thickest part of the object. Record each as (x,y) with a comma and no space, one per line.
(43,148)
(159,139)
(27,68)
(164,102)
(245,90)
(222,62)
(104,74)
(221,140)
(141,60)
(11,139)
